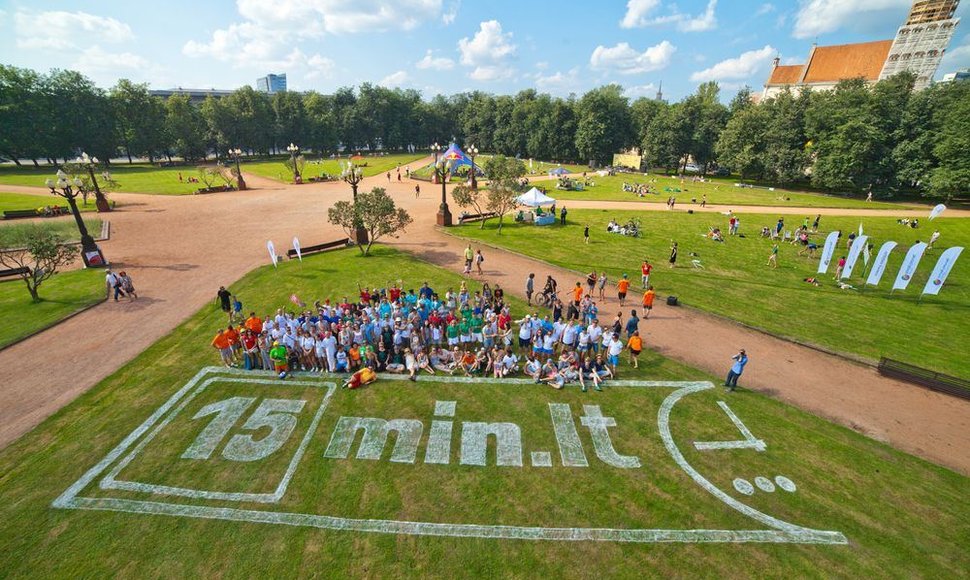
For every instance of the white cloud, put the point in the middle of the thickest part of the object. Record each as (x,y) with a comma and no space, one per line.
(449,15)
(542,65)
(648,90)
(636,13)
(765,8)
(559,82)
(742,67)
(488,52)
(318,66)
(60,30)
(96,60)
(956,58)
(313,17)
(820,16)
(625,59)
(394,79)
(639,14)
(436,63)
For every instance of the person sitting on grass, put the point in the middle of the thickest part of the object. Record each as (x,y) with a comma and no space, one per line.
(533,368)
(469,363)
(424,363)
(396,362)
(551,376)
(411,365)
(364,376)
(587,372)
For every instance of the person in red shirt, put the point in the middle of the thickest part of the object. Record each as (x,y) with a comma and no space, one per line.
(364,295)
(645,269)
(250,350)
(395,293)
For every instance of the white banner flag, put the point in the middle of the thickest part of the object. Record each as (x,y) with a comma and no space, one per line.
(866,255)
(910,262)
(882,258)
(854,252)
(942,270)
(272,251)
(296,247)
(860,228)
(827,251)
(936,211)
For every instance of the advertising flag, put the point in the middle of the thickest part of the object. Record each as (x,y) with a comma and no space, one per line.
(272,251)
(860,228)
(850,262)
(942,270)
(936,211)
(879,266)
(296,248)
(910,262)
(827,251)
(865,253)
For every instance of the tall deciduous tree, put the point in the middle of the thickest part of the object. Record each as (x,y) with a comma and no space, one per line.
(603,126)
(503,174)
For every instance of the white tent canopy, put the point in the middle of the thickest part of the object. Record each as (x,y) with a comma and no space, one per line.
(535,198)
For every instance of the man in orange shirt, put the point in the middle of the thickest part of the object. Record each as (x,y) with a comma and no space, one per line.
(621,288)
(635,344)
(578,294)
(648,298)
(221,343)
(254,323)
(235,344)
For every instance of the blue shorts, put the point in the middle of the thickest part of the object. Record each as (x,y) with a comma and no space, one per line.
(613,359)
(583,347)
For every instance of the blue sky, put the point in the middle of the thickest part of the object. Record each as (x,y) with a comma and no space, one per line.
(444,46)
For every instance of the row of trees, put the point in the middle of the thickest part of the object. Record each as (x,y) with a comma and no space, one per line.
(859,136)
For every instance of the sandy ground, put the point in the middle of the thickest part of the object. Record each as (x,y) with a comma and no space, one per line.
(180,249)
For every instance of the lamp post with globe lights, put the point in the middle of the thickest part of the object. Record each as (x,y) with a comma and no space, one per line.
(294,151)
(473,152)
(235,154)
(89,163)
(69,190)
(441,172)
(353,175)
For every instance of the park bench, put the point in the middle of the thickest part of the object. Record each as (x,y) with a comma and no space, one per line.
(925,378)
(307,250)
(11,272)
(15,214)
(476,217)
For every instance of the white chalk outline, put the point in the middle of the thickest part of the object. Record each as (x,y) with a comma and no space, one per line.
(749,441)
(783,532)
(110,481)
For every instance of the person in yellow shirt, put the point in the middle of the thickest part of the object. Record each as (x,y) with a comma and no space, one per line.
(635,344)
(648,298)
(621,289)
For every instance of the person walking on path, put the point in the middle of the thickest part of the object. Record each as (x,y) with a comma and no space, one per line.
(479,258)
(562,216)
(469,256)
(113,284)
(127,285)
(704,200)
(586,234)
(602,285)
(645,269)
(621,289)
(648,297)
(530,287)
(417,190)
(635,344)
(740,360)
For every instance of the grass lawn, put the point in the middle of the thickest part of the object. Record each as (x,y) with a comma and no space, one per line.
(62,295)
(64,226)
(736,283)
(898,512)
(537,168)
(721,192)
(135,178)
(274,169)
(19,201)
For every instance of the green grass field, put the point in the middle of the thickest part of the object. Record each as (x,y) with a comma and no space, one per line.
(736,283)
(897,512)
(63,226)
(20,201)
(135,178)
(274,169)
(720,192)
(62,295)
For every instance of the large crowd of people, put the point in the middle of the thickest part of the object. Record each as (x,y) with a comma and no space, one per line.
(458,332)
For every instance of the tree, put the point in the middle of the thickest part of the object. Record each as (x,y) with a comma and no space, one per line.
(472,197)
(185,128)
(503,185)
(660,141)
(39,253)
(742,142)
(375,211)
(139,119)
(951,178)
(604,126)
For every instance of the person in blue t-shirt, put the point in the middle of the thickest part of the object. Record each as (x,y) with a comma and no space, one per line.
(737,368)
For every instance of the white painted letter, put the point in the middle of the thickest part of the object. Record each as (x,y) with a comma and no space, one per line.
(599,430)
(474,443)
(375,437)
(570,447)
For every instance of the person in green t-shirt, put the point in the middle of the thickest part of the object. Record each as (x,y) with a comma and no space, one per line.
(278,355)
(477,324)
(464,329)
(452,333)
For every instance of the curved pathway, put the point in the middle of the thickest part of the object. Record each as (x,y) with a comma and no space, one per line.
(180,249)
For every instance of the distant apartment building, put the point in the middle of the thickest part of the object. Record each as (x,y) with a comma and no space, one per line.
(271,84)
(961,75)
(196,96)
(918,47)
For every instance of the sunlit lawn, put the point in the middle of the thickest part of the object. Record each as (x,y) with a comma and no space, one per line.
(135,178)
(735,282)
(61,295)
(720,192)
(64,226)
(21,201)
(372,165)
(899,513)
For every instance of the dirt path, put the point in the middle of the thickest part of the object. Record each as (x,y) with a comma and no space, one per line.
(180,249)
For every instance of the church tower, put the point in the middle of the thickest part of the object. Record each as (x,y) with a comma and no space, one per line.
(921,42)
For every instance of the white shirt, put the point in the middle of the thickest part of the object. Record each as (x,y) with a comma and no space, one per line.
(595,332)
(616,347)
(508,361)
(569,335)
(525,331)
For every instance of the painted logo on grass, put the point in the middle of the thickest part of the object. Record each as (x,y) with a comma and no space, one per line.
(244,447)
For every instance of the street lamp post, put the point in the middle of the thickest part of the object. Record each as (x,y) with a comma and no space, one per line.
(90,252)
(90,163)
(441,171)
(353,175)
(235,154)
(473,152)
(294,151)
